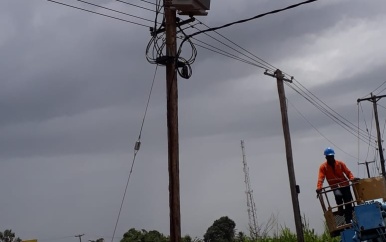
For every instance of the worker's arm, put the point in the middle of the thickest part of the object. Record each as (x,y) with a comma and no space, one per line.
(347,172)
(321,177)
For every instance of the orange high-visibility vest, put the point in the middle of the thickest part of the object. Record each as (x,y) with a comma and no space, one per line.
(335,177)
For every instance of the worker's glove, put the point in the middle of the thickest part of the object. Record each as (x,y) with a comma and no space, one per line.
(318,192)
(355,179)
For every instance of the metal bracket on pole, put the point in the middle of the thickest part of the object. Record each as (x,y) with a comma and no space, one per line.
(274,74)
(179,24)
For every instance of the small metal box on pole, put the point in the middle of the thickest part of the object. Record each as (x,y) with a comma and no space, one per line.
(191,7)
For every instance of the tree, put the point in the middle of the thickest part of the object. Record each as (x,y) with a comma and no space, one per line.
(134,235)
(8,236)
(98,240)
(241,237)
(222,230)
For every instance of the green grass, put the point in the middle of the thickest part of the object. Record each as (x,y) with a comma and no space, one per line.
(286,235)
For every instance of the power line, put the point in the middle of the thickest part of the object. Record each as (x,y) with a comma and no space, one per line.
(136,149)
(244,20)
(148,2)
(142,1)
(375,89)
(227,54)
(309,98)
(381,91)
(113,10)
(332,116)
(260,63)
(323,110)
(317,103)
(228,39)
(134,5)
(336,114)
(321,134)
(105,15)
(346,124)
(371,129)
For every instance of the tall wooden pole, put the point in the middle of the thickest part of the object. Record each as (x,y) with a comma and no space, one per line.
(288,148)
(374,100)
(172,122)
(80,237)
(380,149)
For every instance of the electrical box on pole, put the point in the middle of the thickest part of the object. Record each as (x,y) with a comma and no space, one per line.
(191,7)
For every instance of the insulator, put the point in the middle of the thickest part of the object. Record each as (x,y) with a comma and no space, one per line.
(137,145)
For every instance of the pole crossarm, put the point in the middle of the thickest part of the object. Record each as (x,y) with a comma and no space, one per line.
(178,24)
(278,75)
(371,99)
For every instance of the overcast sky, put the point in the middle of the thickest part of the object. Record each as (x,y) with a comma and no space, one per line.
(73,92)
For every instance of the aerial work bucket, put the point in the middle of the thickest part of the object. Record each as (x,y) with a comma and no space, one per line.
(370,189)
(365,190)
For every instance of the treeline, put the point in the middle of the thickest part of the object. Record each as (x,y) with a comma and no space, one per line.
(222,230)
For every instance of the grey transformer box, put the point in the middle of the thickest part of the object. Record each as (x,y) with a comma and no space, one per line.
(191,7)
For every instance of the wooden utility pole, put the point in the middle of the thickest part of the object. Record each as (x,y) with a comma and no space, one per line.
(287,140)
(374,99)
(367,166)
(80,237)
(172,122)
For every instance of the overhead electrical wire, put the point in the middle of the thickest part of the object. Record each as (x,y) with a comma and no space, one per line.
(113,10)
(243,21)
(308,95)
(266,65)
(225,53)
(367,129)
(375,89)
(350,127)
(136,149)
(304,117)
(262,64)
(327,109)
(135,5)
(312,100)
(269,66)
(105,15)
(149,2)
(379,105)
(380,91)
(335,114)
(324,111)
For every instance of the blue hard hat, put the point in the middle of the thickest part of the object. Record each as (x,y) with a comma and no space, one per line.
(329,151)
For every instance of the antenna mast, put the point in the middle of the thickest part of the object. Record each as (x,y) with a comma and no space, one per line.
(253,226)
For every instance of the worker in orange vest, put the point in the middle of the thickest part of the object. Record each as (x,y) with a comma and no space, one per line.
(338,177)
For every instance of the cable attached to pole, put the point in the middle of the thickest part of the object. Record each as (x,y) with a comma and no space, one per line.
(137,146)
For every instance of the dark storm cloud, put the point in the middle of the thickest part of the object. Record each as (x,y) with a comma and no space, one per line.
(272,36)
(73,91)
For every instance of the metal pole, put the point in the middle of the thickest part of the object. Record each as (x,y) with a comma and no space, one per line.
(172,122)
(288,148)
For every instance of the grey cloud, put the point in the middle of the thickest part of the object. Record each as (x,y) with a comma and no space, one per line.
(74,88)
